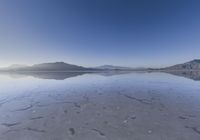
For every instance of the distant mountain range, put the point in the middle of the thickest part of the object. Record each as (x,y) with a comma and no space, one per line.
(111,67)
(61,66)
(57,66)
(188,66)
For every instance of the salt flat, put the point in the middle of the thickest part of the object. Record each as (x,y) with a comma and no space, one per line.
(133,106)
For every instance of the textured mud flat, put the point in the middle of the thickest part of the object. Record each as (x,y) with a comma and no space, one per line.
(122,107)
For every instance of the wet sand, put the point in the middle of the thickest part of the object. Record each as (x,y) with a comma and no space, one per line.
(137,106)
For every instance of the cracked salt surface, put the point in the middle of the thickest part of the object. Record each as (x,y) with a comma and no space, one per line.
(151,106)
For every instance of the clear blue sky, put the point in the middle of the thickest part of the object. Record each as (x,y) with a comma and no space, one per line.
(133,33)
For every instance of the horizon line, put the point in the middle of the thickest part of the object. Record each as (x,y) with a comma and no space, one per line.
(92,66)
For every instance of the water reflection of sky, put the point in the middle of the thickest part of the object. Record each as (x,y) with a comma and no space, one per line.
(159,101)
(13,85)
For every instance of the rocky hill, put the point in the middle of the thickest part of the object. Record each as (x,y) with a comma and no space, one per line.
(191,65)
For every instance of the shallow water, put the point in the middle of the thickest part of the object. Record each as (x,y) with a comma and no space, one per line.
(81,106)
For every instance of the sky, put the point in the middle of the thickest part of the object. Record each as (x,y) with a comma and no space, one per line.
(136,33)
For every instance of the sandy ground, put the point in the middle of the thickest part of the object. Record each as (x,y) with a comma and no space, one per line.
(125,107)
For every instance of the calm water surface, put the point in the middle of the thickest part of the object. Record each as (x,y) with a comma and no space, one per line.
(78,106)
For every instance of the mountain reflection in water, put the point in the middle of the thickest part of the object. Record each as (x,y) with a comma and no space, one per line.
(194,75)
(59,75)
